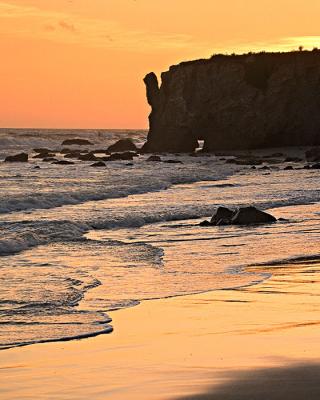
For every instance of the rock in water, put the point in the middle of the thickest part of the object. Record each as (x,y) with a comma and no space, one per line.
(21,157)
(251,216)
(173,162)
(98,164)
(88,157)
(79,142)
(222,214)
(127,155)
(63,162)
(122,145)
(205,223)
(236,102)
(154,158)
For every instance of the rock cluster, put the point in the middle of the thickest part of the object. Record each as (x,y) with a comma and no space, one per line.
(242,216)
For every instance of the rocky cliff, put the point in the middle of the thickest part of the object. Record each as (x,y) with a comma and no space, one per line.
(236,102)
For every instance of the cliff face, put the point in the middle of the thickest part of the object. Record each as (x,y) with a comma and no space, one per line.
(236,102)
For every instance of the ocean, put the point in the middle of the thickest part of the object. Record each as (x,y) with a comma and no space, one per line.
(78,242)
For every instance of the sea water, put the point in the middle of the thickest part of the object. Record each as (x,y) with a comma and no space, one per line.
(77,242)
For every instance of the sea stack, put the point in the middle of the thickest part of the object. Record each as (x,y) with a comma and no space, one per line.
(236,102)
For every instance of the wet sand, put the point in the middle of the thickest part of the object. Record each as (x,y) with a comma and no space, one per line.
(258,342)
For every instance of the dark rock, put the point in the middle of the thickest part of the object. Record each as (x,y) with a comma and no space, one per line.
(154,158)
(73,154)
(98,164)
(223,222)
(122,145)
(49,159)
(126,156)
(243,216)
(265,167)
(43,150)
(288,168)
(129,164)
(88,157)
(251,216)
(236,102)
(173,162)
(315,166)
(222,213)
(307,166)
(21,157)
(253,167)
(44,155)
(36,167)
(79,142)
(205,223)
(63,162)
(65,151)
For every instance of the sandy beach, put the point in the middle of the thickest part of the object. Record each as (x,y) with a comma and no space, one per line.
(248,343)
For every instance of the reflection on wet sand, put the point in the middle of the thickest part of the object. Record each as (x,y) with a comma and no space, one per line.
(214,345)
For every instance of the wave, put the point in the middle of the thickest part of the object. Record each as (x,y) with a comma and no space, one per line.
(19,236)
(86,325)
(32,201)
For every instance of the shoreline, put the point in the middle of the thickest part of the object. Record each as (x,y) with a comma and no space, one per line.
(168,348)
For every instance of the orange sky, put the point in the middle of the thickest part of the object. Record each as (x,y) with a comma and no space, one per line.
(80,63)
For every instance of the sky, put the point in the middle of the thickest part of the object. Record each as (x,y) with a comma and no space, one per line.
(81,63)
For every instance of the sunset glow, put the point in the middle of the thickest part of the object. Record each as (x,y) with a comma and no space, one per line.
(80,63)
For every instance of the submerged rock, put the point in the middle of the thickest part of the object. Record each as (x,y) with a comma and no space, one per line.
(44,155)
(98,164)
(63,162)
(77,141)
(122,145)
(73,154)
(126,156)
(88,157)
(154,158)
(173,162)
(43,150)
(21,157)
(49,159)
(205,223)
